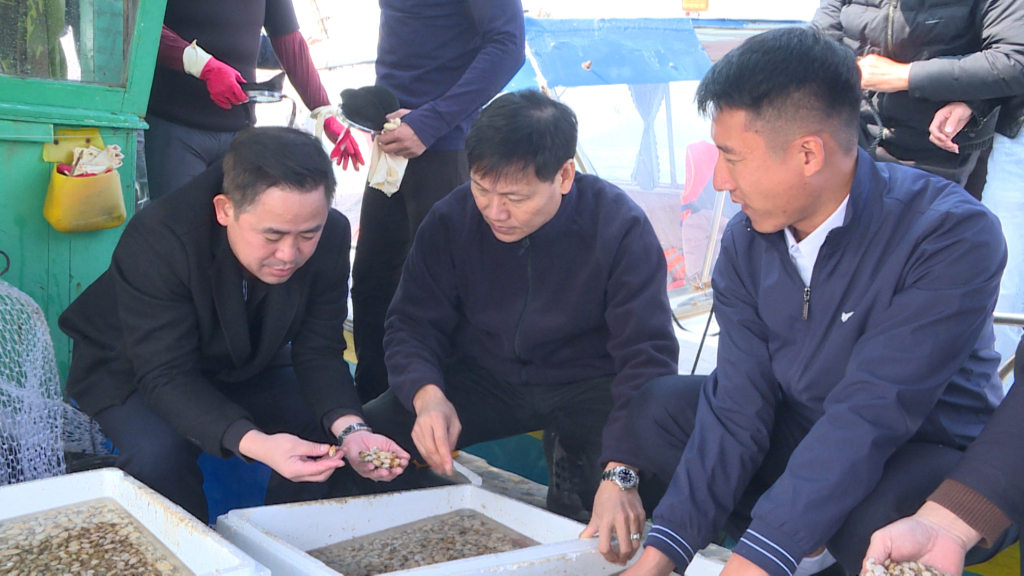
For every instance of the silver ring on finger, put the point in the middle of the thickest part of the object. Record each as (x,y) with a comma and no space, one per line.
(634,536)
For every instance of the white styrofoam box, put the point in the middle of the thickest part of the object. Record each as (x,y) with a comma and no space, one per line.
(709,561)
(279,536)
(202,550)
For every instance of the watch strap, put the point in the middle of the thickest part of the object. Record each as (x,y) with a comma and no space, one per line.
(612,475)
(352,428)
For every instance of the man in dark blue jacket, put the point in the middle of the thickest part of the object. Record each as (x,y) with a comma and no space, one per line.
(855,300)
(532,298)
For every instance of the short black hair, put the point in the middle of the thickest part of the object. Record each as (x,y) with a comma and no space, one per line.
(520,130)
(261,158)
(789,76)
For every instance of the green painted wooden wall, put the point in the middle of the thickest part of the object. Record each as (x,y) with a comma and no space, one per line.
(50,266)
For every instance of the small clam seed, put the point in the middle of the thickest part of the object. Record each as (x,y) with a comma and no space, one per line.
(92,537)
(380,458)
(890,568)
(453,536)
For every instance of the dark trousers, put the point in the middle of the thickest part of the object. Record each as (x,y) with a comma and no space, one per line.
(490,409)
(176,154)
(976,180)
(663,415)
(152,451)
(387,226)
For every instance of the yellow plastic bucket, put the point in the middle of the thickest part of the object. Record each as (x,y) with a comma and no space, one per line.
(84,204)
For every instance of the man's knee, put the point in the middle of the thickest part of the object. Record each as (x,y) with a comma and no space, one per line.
(388,416)
(148,447)
(661,416)
(910,475)
(665,404)
(154,459)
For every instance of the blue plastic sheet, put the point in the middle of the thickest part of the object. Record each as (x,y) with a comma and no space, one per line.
(611,51)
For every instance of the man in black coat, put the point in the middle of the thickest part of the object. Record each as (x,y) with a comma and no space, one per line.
(930,70)
(217,317)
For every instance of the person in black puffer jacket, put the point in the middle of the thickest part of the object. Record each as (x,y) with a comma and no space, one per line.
(932,73)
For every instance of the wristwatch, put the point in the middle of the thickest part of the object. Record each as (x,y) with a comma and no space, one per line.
(623,476)
(355,427)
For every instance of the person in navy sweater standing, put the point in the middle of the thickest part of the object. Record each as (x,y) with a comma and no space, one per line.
(443,59)
(856,359)
(533,297)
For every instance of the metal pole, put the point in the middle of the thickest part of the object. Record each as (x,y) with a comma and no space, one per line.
(671,139)
(1008,319)
(709,254)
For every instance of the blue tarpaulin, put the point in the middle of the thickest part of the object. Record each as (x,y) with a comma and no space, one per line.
(611,51)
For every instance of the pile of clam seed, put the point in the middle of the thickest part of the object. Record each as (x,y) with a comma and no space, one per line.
(381,459)
(441,539)
(890,568)
(94,538)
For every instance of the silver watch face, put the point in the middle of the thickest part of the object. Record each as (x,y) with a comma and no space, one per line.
(624,477)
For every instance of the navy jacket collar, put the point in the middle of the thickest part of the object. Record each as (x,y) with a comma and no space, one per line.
(860,209)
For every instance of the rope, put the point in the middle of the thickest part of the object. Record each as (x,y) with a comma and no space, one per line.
(700,348)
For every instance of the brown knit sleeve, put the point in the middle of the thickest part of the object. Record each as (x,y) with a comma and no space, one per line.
(171,48)
(974,509)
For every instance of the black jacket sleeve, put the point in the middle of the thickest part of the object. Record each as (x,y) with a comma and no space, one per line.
(995,71)
(826,19)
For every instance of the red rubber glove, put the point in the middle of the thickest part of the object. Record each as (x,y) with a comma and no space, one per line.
(334,129)
(223,83)
(346,149)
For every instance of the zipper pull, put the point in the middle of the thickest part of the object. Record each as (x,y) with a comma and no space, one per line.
(526,246)
(807,302)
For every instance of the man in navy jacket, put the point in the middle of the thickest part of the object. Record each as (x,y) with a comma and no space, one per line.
(532,298)
(855,300)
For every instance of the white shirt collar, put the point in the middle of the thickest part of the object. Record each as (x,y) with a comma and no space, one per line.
(805,252)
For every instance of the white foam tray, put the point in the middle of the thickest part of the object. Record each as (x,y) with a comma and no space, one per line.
(279,536)
(202,550)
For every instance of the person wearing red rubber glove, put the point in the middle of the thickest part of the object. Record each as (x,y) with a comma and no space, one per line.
(207,54)
(222,81)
